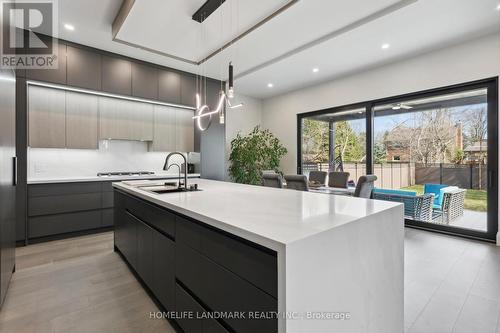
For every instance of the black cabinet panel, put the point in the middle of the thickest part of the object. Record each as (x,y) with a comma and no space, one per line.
(197,324)
(107,217)
(63,188)
(258,266)
(128,240)
(155,216)
(144,81)
(188,90)
(145,253)
(222,290)
(116,75)
(164,270)
(63,203)
(107,200)
(40,226)
(169,87)
(83,68)
(107,186)
(51,75)
(119,221)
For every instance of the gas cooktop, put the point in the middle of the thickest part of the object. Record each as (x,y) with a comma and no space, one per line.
(125,173)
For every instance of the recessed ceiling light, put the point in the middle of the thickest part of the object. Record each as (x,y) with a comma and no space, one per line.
(69,27)
(498,7)
(270,85)
(315,69)
(385,46)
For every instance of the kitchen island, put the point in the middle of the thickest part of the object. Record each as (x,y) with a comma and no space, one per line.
(257,259)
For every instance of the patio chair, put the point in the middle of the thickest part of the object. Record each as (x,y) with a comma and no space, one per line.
(452,206)
(416,207)
(365,186)
(436,190)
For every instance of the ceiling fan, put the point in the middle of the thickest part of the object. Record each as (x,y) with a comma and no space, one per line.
(400,106)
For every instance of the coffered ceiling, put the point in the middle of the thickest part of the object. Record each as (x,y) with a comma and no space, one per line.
(336,37)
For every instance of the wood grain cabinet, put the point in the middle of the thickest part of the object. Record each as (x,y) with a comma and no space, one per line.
(169,87)
(144,81)
(83,68)
(116,75)
(51,75)
(81,121)
(173,129)
(46,117)
(188,90)
(125,120)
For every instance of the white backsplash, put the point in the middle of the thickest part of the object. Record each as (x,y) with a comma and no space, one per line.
(112,155)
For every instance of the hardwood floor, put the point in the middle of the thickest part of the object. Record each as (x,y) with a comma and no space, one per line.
(452,285)
(76,285)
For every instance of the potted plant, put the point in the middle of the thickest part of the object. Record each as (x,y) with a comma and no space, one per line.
(253,153)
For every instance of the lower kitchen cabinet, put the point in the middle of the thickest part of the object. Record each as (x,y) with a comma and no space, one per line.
(194,270)
(163,269)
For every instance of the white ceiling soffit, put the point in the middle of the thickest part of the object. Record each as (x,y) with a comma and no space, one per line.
(167,27)
(339,37)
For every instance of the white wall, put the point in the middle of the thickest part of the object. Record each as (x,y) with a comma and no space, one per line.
(112,155)
(241,120)
(470,61)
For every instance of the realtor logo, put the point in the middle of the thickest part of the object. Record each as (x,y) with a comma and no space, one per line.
(27,31)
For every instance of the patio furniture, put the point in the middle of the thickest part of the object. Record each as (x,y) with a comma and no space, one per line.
(317,177)
(365,186)
(436,190)
(416,207)
(297,182)
(338,179)
(272,180)
(452,205)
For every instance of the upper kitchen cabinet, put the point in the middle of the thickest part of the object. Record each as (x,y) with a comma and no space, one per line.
(164,133)
(51,75)
(116,75)
(83,68)
(184,139)
(188,90)
(169,87)
(144,81)
(125,120)
(81,121)
(46,117)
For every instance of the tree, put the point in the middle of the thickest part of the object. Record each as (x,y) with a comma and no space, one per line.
(348,143)
(477,131)
(315,141)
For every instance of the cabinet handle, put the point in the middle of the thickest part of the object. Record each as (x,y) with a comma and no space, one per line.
(14,173)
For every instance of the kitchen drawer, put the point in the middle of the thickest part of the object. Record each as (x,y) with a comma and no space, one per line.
(63,223)
(152,215)
(107,217)
(221,290)
(145,252)
(63,203)
(107,187)
(37,190)
(253,263)
(187,304)
(164,270)
(107,200)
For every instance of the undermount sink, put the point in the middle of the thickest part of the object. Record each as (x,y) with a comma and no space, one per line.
(160,189)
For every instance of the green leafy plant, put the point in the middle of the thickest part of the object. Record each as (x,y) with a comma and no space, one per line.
(251,154)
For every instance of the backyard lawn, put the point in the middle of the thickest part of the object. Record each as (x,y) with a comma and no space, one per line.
(474,199)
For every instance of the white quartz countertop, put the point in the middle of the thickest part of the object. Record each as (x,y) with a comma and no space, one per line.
(268,216)
(106,178)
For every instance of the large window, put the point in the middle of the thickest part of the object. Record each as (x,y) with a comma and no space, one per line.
(435,151)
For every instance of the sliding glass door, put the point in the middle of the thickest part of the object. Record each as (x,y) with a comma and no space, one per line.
(435,151)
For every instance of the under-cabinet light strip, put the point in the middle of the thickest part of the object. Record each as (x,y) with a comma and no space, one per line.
(104,94)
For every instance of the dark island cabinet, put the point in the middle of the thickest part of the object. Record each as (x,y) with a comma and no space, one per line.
(191,267)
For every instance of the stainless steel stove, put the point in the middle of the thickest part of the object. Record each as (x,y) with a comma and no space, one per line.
(125,173)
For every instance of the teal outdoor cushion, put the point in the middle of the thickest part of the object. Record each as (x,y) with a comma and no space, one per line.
(436,190)
(396,192)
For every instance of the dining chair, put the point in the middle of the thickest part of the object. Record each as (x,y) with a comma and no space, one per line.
(318,177)
(297,182)
(338,179)
(272,180)
(365,186)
